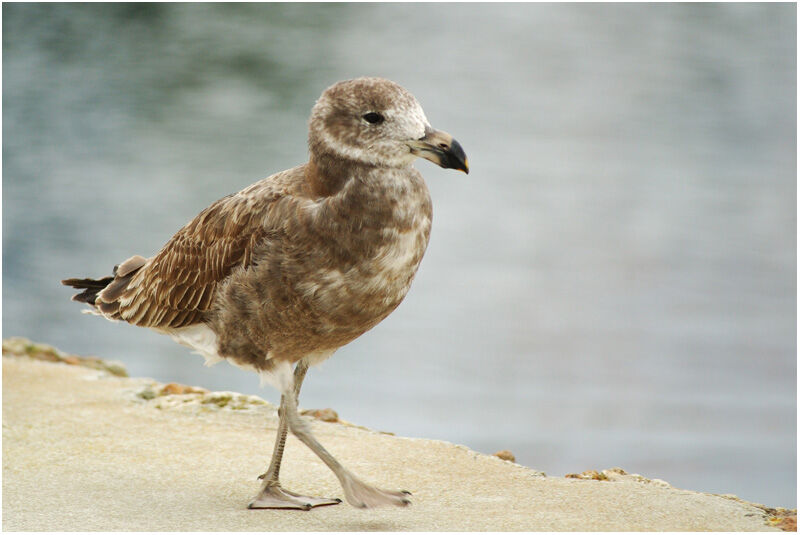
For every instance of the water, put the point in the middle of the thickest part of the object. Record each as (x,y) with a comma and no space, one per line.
(614,284)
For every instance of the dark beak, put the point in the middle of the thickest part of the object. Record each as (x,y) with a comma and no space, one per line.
(440,148)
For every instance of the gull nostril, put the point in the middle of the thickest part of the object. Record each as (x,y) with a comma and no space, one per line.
(443,146)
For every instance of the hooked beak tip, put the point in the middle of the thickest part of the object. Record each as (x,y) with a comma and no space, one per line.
(455,158)
(440,148)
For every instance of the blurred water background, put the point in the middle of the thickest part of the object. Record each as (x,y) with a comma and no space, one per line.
(614,284)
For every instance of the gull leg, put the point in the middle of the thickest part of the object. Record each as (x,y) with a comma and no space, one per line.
(272,495)
(272,473)
(357,493)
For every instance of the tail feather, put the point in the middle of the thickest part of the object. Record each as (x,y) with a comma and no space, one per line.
(90,287)
(111,287)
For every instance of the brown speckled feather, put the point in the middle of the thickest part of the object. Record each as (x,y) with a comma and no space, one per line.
(307,260)
(177,286)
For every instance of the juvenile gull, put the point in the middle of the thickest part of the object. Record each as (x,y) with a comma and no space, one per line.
(280,275)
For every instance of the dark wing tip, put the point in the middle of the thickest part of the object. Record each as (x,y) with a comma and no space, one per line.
(90,287)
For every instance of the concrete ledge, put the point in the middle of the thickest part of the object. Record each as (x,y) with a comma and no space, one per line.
(85,448)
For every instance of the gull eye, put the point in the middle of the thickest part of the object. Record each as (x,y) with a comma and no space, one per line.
(373,117)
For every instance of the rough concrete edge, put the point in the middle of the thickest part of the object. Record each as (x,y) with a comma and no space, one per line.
(176,396)
(779,517)
(23,347)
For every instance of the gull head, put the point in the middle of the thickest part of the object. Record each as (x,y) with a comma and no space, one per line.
(375,121)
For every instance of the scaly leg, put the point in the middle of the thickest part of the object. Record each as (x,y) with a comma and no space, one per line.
(272,495)
(357,493)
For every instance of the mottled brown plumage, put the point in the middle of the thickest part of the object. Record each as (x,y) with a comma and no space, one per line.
(301,263)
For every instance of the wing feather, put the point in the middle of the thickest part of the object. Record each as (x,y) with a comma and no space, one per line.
(177,286)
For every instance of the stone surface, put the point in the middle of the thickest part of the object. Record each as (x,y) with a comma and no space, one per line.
(84,450)
(506,455)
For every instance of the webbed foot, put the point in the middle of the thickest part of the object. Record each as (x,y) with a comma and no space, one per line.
(359,494)
(275,497)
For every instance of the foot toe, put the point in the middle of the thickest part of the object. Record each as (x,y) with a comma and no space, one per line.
(274,497)
(363,496)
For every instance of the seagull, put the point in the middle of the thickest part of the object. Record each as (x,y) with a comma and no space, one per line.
(278,276)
